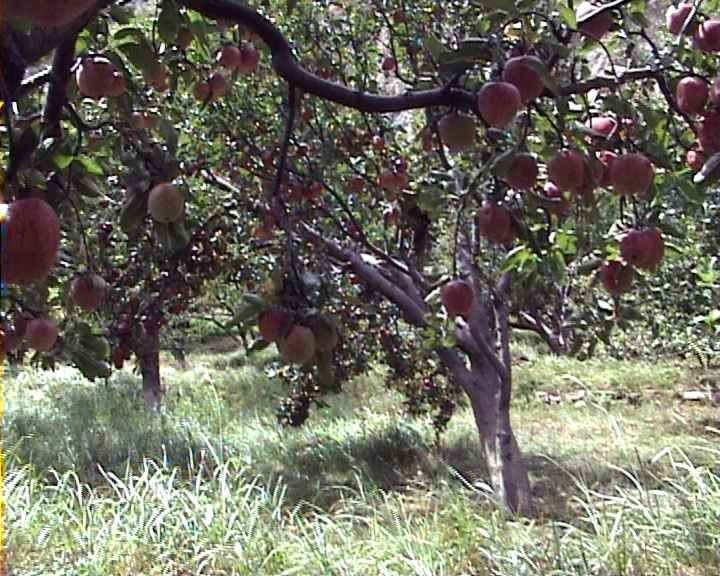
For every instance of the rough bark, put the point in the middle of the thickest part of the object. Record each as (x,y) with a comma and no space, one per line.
(148,355)
(508,474)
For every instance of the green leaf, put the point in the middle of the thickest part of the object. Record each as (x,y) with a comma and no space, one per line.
(178,236)
(90,164)
(133,212)
(62,161)
(120,14)
(141,55)
(435,46)
(169,134)
(90,366)
(168,21)
(87,187)
(568,15)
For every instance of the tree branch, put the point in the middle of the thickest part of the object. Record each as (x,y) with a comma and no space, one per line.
(59,76)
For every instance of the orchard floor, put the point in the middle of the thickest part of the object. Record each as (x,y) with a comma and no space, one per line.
(626,475)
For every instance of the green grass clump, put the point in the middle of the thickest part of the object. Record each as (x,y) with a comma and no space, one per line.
(213,486)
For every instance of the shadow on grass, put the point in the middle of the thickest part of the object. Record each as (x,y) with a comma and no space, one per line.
(88,427)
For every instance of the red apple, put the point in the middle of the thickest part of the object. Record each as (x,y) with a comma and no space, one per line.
(388,64)
(631,174)
(523,172)
(457,298)
(299,346)
(95,77)
(603,125)
(41,334)
(566,170)
(562,205)
(675,17)
(229,57)
(498,103)
(522,72)
(707,36)
(494,223)
(218,85)
(31,243)
(457,131)
(597,26)
(272,322)
(393,181)
(166,202)
(691,94)
(695,159)
(643,248)
(249,58)
(616,276)
(88,291)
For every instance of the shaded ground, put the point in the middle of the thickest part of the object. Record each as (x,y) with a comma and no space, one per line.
(630,435)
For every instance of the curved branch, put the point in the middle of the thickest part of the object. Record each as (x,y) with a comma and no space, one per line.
(287,66)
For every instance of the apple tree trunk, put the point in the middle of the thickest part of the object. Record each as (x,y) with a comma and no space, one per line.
(148,355)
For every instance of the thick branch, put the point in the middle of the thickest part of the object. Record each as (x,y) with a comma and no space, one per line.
(288,67)
(59,76)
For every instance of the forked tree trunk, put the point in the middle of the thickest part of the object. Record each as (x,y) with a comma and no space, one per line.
(148,355)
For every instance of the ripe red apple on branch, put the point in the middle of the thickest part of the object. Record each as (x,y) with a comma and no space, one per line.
(31,242)
(498,103)
(298,346)
(41,334)
(457,298)
(166,202)
(457,131)
(567,170)
(522,72)
(523,172)
(88,291)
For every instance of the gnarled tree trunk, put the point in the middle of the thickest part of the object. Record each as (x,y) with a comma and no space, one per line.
(508,474)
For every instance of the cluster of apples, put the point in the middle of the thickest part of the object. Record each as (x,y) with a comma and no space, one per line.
(230,58)
(696,98)
(643,249)
(97,77)
(706,33)
(297,341)
(29,251)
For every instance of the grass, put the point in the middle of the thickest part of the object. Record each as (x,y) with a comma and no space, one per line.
(213,486)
